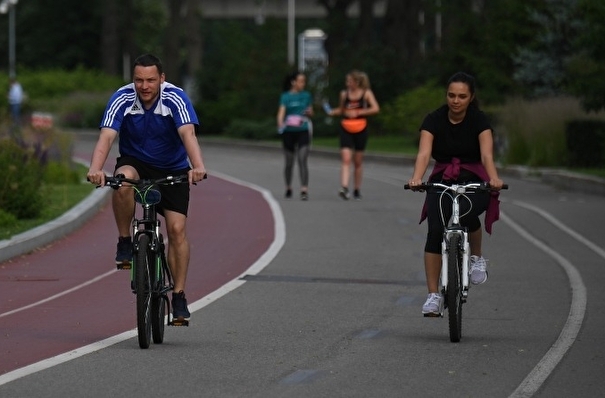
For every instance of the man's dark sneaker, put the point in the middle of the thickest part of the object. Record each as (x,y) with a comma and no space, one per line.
(180,313)
(288,194)
(356,194)
(124,253)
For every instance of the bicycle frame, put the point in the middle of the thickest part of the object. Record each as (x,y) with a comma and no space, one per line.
(454,227)
(149,224)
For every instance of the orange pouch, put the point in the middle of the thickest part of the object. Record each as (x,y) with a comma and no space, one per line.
(354,126)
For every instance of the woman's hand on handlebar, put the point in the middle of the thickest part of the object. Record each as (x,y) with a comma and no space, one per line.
(496,184)
(415,184)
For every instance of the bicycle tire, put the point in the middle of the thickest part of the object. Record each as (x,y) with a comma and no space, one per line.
(158,316)
(143,291)
(159,302)
(454,290)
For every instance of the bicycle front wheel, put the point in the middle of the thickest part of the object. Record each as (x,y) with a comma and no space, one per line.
(159,307)
(142,274)
(454,290)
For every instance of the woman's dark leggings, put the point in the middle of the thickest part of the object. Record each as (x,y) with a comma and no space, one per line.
(479,201)
(296,144)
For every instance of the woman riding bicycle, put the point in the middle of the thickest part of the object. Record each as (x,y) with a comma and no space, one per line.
(459,137)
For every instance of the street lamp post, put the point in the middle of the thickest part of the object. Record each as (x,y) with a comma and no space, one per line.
(291,30)
(9,6)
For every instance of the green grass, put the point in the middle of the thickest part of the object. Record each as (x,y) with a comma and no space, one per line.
(59,199)
(591,172)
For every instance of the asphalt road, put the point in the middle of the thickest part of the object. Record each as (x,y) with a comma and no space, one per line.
(332,308)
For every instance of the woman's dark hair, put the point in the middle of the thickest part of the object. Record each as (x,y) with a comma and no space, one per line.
(461,77)
(149,60)
(289,79)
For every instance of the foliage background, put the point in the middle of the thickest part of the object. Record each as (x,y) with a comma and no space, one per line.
(70,56)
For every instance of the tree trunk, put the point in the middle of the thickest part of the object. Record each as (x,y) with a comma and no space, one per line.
(337,21)
(402,30)
(110,38)
(365,32)
(172,48)
(193,48)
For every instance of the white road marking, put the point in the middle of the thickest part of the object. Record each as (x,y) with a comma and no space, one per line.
(63,293)
(530,385)
(256,267)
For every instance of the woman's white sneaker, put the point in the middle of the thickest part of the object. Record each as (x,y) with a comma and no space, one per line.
(478,270)
(433,305)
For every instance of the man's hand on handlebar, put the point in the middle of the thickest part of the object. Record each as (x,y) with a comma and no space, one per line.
(196,175)
(96,177)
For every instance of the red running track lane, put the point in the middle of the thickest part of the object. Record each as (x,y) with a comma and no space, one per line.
(229,228)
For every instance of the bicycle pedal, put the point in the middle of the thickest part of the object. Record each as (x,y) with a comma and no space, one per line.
(180,322)
(125,265)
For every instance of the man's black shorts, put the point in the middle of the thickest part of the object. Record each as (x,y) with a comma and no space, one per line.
(174,197)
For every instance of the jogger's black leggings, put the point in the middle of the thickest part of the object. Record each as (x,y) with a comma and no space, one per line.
(296,145)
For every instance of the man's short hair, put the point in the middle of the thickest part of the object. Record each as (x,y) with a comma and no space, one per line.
(149,60)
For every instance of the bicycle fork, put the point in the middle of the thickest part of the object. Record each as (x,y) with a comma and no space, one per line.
(465,249)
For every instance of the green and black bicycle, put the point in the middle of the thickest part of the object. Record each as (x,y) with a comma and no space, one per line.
(150,274)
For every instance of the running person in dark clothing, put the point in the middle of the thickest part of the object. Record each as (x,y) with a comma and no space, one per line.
(357,102)
(155,122)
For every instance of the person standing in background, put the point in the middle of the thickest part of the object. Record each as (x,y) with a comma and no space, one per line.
(357,102)
(295,108)
(15,98)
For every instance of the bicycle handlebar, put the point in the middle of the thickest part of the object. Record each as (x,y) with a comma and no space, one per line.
(119,180)
(478,186)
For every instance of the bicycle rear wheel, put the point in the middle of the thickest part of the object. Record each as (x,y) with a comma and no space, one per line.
(143,289)
(454,291)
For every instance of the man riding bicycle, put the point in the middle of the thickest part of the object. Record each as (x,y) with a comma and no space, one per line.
(155,122)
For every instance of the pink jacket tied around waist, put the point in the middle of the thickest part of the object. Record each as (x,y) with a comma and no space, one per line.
(451,171)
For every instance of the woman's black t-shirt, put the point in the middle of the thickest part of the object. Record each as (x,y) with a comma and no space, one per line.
(459,140)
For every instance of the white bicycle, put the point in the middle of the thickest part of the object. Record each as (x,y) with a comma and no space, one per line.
(455,251)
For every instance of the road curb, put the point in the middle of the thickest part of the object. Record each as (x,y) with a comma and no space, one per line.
(61,226)
(559,178)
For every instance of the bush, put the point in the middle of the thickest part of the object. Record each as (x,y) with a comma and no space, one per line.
(252,129)
(586,143)
(20,182)
(534,131)
(406,112)
(76,98)
(61,173)
(7,220)
(82,110)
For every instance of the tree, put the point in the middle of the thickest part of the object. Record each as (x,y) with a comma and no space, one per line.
(481,38)
(540,64)
(586,68)
(110,39)
(338,23)
(402,30)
